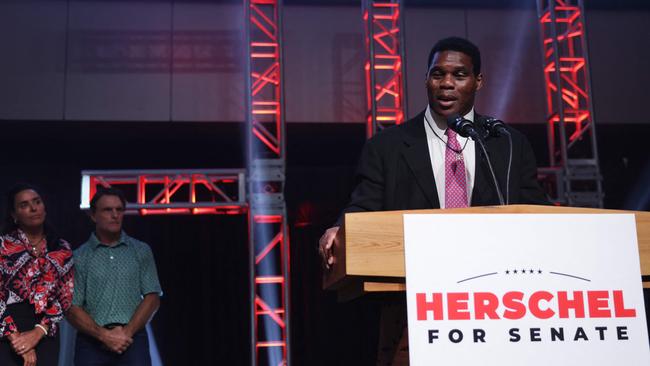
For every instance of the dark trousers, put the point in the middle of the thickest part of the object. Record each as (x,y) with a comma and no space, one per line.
(47,350)
(91,352)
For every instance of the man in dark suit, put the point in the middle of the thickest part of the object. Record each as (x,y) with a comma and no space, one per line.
(422,164)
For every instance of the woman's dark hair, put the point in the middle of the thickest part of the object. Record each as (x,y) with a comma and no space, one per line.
(9,226)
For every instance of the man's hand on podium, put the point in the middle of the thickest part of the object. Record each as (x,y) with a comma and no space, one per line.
(326,246)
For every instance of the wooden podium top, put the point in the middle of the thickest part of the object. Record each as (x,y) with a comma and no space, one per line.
(370,249)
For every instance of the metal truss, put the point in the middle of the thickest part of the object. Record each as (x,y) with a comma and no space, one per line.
(270,286)
(268,234)
(384,67)
(171,192)
(574,174)
(265,91)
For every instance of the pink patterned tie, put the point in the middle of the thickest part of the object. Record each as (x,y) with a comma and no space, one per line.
(455,177)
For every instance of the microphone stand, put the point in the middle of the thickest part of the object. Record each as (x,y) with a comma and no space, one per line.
(496,128)
(465,128)
(507,133)
(476,137)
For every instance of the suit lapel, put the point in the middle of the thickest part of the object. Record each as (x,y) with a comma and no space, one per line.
(416,154)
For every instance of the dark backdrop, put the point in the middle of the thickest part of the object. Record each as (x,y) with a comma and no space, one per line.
(202,260)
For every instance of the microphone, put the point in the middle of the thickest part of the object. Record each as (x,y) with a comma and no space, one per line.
(462,127)
(466,128)
(495,127)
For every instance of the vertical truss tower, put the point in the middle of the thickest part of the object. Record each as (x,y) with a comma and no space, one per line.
(268,233)
(384,67)
(574,174)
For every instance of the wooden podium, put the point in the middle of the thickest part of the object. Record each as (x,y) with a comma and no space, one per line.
(369,249)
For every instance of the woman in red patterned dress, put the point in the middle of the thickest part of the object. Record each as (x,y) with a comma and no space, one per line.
(36,282)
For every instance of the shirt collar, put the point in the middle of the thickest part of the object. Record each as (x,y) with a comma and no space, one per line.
(21,236)
(96,243)
(438,123)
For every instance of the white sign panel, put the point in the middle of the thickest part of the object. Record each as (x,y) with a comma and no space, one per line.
(524,290)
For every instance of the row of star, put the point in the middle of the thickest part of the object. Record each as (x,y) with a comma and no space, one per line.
(523,271)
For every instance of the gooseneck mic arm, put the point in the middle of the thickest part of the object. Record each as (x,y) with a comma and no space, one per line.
(465,128)
(496,128)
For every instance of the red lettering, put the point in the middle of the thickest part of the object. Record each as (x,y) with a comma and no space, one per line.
(423,306)
(515,308)
(577,304)
(485,304)
(598,304)
(540,304)
(457,305)
(619,307)
(535,309)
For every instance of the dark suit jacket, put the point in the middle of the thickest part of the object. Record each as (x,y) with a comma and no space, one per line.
(395,171)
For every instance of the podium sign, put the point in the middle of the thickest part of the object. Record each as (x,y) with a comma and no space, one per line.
(502,289)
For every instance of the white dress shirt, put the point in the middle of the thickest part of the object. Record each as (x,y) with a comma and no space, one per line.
(437,148)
